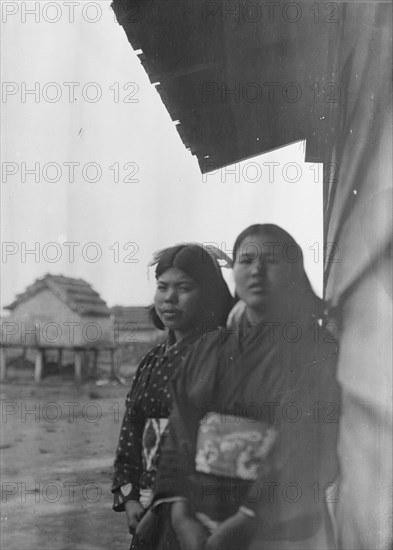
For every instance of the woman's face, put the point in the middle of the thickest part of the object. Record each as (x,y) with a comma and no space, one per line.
(262,274)
(178,301)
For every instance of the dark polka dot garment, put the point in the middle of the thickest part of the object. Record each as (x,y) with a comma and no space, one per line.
(147,409)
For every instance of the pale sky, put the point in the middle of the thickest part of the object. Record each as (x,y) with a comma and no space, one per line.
(113,139)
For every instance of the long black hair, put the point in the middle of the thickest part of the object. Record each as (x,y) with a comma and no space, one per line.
(302,295)
(202,266)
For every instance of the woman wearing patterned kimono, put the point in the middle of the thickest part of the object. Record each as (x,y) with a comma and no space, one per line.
(191,296)
(250,461)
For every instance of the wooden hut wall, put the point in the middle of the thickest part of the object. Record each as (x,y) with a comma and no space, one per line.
(44,319)
(358,278)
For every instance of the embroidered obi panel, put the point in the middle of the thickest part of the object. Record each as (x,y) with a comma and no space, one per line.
(233,446)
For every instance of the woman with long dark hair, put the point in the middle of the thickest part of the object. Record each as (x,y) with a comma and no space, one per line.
(191,297)
(250,459)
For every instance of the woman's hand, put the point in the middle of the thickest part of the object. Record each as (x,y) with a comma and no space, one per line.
(134,512)
(190,532)
(234,533)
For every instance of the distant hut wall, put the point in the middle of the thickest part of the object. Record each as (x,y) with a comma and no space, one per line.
(42,319)
(95,330)
(46,320)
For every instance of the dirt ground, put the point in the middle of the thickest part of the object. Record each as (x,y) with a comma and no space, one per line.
(57,449)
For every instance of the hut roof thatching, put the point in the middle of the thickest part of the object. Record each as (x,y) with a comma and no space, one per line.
(76,293)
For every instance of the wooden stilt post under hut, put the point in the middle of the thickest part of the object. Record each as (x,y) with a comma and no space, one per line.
(78,365)
(39,363)
(3,364)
